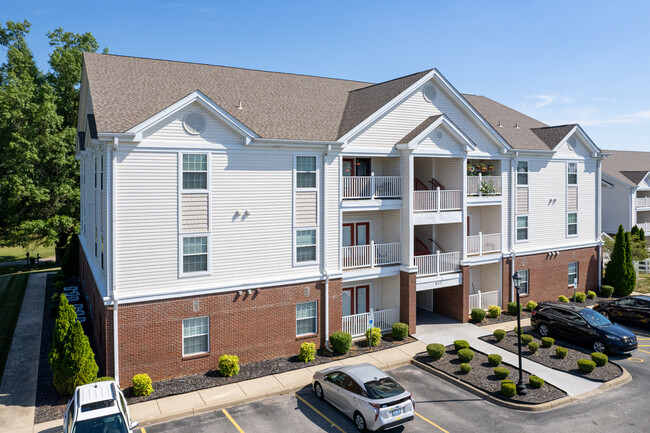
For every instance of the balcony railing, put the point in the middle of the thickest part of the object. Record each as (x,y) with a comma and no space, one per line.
(437,200)
(369,256)
(436,264)
(483,244)
(484,299)
(484,185)
(360,187)
(642,202)
(357,324)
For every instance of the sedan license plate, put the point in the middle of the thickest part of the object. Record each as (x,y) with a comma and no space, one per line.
(395,412)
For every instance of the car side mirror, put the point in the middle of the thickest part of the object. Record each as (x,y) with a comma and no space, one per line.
(134,424)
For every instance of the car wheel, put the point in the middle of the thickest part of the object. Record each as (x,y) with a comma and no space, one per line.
(605,314)
(599,346)
(544,330)
(360,422)
(319,391)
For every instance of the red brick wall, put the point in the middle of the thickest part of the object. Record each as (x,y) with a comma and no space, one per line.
(407,299)
(453,301)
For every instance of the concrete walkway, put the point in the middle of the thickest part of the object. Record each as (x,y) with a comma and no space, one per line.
(18,389)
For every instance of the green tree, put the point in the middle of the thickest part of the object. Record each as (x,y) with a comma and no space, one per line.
(615,268)
(629,279)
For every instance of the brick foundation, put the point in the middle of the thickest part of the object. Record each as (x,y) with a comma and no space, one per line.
(407,299)
(453,301)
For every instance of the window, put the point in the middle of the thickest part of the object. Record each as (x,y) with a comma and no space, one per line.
(572,173)
(523,286)
(195,254)
(306,318)
(196,336)
(573,273)
(522,173)
(522,228)
(572,223)
(101,172)
(306,171)
(95,172)
(306,245)
(195,171)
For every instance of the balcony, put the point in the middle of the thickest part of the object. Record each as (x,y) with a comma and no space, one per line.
(483,244)
(484,186)
(437,200)
(483,300)
(642,202)
(357,324)
(372,187)
(437,264)
(370,256)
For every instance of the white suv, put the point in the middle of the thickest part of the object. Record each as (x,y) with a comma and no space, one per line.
(98,407)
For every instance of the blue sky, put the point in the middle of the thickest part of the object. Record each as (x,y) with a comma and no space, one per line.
(558,61)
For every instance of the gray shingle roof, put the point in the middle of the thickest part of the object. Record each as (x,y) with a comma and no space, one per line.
(627,166)
(552,135)
(418,129)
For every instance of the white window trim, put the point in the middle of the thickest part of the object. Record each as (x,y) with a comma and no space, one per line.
(567,224)
(316,317)
(208,174)
(296,190)
(527,173)
(296,263)
(568,164)
(522,241)
(183,337)
(577,273)
(295,173)
(182,274)
(527,279)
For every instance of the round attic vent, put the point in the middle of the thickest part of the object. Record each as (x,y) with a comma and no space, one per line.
(571,142)
(194,123)
(439,134)
(429,92)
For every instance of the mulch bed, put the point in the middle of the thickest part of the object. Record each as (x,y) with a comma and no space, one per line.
(51,406)
(546,356)
(482,377)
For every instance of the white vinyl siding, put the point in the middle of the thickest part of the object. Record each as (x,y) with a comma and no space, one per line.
(194,213)
(196,336)
(572,198)
(306,209)
(522,200)
(306,318)
(573,273)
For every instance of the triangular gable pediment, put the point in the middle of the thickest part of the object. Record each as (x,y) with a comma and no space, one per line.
(578,142)
(435,128)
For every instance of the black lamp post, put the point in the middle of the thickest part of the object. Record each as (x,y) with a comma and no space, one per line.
(521,388)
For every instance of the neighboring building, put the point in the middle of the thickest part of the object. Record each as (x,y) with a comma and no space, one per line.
(237,211)
(626,191)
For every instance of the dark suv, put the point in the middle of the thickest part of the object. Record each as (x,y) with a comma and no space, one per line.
(583,325)
(632,309)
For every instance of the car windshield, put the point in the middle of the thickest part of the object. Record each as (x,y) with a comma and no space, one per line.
(383,388)
(109,424)
(594,318)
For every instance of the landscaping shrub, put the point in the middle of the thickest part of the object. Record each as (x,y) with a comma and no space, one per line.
(307,352)
(400,331)
(229,365)
(526,338)
(461,344)
(501,372)
(561,352)
(465,367)
(478,314)
(563,298)
(104,379)
(599,358)
(142,384)
(512,308)
(54,306)
(494,311)
(533,347)
(606,291)
(494,360)
(586,365)
(508,388)
(517,330)
(373,336)
(465,355)
(436,350)
(547,341)
(340,341)
(70,264)
(59,285)
(531,305)
(591,294)
(579,297)
(499,334)
(535,381)
(59,276)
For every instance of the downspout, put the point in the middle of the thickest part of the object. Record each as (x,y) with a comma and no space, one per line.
(111,268)
(324,260)
(513,222)
(599,222)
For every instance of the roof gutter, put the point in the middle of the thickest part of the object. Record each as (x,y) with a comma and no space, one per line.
(285,142)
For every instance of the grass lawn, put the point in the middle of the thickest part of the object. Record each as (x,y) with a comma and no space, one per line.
(12,254)
(12,291)
(643,283)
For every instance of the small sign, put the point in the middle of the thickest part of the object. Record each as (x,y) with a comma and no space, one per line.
(306,292)
(195,305)
(371,319)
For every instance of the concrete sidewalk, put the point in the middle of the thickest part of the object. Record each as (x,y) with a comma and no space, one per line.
(18,389)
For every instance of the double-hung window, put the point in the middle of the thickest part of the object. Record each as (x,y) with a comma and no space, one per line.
(196,335)
(306,315)
(306,171)
(572,173)
(523,285)
(195,254)
(573,273)
(306,245)
(522,228)
(101,173)
(195,171)
(522,173)
(572,223)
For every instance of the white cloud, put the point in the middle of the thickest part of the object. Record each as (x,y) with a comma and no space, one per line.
(637,118)
(542,100)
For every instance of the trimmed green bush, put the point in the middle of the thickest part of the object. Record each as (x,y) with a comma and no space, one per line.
(561,352)
(340,342)
(59,276)
(512,308)
(599,358)
(59,285)
(526,338)
(400,331)
(531,305)
(104,379)
(517,330)
(547,341)
(508,388)
(535,381)
(591,294)
(373,336)
(142,384)
(563,298)
(465,355)
(533,347)
(465,367)
(494,311)
(501,372)
(307,352)
(499,334)
(580,297)
(229,365)
(494,360)
(436,351)
(606,291)
(478,314)
(586,365)
(461,344)
(70,264)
